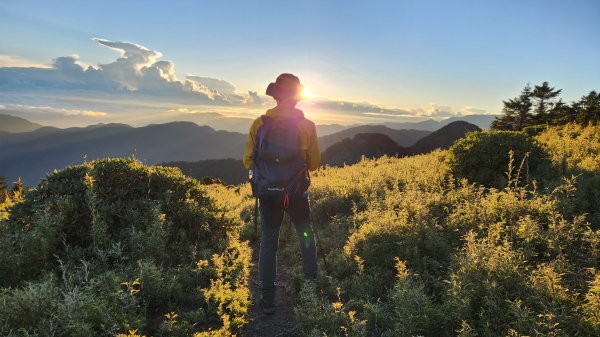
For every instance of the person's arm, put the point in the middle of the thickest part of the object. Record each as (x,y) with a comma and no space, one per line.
(250,144)
(313,154)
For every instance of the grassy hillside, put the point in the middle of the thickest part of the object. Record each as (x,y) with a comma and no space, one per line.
(407,250)
(407,246)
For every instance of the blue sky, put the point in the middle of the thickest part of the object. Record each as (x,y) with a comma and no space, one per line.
(415,57)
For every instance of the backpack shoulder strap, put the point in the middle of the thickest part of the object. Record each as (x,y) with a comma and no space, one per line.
(266,119)
(260,134)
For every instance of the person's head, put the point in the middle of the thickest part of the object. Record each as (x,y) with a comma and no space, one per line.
(286,89)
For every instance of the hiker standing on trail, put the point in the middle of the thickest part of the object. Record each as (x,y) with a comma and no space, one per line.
(281,148)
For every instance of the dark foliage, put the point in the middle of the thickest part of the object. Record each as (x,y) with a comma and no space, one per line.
(542,106)
(114,245)
(478,156)
(229,171)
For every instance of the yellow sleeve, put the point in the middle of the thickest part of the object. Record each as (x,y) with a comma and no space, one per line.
(313,154)
(250,142)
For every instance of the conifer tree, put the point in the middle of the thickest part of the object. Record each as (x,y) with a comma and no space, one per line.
(517,112)
(588,108)
(562,113)
(544,96)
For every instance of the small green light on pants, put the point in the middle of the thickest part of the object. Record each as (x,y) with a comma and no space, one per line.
(305,234)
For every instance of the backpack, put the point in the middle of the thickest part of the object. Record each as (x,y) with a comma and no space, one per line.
(279,170)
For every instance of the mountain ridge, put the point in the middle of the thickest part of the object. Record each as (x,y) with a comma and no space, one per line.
(371,145)
(31,154)
(14,124)
(403,137)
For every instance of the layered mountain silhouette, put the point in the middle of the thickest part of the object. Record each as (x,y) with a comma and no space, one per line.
(30,155)
(401,137)
(15,124)
(369,145)
(198,150)
(372,145)
(482,121)
(346,151)
(220,121)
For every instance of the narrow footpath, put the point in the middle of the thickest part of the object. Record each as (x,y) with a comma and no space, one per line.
(280,324)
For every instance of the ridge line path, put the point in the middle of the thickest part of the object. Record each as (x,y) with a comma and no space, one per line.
(283,322)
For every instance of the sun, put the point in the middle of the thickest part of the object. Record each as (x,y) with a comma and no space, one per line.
(306,93)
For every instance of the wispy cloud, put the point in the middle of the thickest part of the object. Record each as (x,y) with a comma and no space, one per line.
(470,110)
(53,110)
(19,62)
(432,110)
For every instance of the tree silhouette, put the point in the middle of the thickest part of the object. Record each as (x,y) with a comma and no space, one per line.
(517,112)
(562,113)
(588,108)
(543,96)
(549,109)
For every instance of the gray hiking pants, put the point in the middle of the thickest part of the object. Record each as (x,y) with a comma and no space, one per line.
(271,211)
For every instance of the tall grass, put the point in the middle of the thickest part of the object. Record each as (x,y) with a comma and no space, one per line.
(407,247)
(476,261)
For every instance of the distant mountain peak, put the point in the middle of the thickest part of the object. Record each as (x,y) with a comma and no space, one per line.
(374,145)
(444,137)
(14,124)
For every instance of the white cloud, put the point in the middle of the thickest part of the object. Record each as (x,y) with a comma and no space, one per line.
(18,62)
(469,110)
(213,84)
(137,72)
(434,110)
(138,82)
(255,98)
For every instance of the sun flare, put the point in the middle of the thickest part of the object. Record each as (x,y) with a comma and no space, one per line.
(307,93)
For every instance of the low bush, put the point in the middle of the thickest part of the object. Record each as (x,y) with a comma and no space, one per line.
(113,245)
(495,158)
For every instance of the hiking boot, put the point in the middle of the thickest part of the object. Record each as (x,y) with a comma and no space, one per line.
(267,302)
(267,308)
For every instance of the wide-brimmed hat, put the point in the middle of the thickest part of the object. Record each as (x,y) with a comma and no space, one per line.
(286,86)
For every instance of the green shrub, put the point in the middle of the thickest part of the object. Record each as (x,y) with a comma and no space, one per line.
(488,278)
(573,147)
(575,151)
(114,245)
(588,198)
(387,237)
(483,158)
(411,311)
(591,306)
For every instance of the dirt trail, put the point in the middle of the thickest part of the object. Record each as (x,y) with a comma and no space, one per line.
(280,324)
